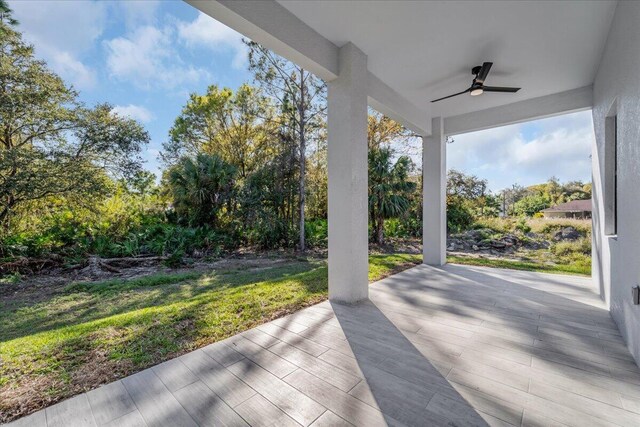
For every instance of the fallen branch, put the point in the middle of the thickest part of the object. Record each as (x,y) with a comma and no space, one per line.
(29,265)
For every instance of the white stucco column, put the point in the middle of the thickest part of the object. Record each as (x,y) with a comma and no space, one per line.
(347,167)
(434,184)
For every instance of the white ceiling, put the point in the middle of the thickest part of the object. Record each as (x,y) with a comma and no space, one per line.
(425,50)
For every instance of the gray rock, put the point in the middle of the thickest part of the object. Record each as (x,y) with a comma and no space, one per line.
(497,244)
(567,233)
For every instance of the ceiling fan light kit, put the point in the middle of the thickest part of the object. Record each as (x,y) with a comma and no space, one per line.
(477,86)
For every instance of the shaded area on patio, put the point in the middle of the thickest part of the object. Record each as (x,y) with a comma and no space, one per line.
(454,345)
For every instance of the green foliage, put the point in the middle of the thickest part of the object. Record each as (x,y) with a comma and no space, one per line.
(467,199)
(201,187)
(522,226)
(6,17)
(301,100)
(531,200)
(234,126)
(404,227)
(51,144)
(578,268)
(11,278)
(567,247)
(459,216)
(317,232)
(468,187)
(174,260)
(530,205)
(265,204)
(389,188)
(244,167)
(498,225)
(550,226)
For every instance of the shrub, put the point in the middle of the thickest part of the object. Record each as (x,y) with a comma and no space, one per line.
(522,226)
(498,225)
(459,218)
(566,248)
(316,232)
(175,259)
(404,227)
(550,226)
(269,232)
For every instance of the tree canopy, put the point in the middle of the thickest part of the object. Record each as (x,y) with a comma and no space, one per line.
(236,126)
(50,143)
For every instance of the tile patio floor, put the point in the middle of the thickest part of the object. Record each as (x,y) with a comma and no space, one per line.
(451,346)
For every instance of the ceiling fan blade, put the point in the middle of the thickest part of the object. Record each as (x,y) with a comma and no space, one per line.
(484,71)
(451,96)
(500,89)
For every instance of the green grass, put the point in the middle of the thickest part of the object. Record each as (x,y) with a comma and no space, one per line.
(93,333)
(574,268)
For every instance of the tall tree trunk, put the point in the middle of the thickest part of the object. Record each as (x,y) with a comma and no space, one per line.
(380,231)
(303,147)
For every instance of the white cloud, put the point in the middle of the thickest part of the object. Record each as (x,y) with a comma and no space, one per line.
(148,58)
(136,112)
(70,68)
(561,147)
(62,32)
(72,24)
(208,33)
(138,12)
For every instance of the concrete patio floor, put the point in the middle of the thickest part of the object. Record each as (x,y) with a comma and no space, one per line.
(453,346)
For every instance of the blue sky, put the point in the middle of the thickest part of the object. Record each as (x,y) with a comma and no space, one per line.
(145,57)
(527,153)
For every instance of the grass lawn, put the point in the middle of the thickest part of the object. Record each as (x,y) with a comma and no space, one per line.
(576,269)
(94,333)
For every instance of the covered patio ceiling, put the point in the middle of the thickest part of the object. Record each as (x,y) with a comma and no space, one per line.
(425,50)
(419,51)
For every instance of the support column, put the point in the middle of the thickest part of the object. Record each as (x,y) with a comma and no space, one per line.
(434,185)
(347,168)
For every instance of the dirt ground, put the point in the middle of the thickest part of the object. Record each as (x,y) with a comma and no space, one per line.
(52,281)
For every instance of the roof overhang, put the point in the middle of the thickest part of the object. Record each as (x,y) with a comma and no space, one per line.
(418,51)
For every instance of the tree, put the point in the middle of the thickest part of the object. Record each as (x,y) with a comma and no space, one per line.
(468,187)
(6,17)
(50,143)
(510,196)
(142,183)
(531,204)
(383,131)
(302,98)
(235,126)
(266,203)
(467,195)
(201,187)
(389,188)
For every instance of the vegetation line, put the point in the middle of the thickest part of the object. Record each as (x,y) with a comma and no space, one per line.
(519,265)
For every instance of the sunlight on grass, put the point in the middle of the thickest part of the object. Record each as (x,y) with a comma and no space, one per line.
(577,269)
(127,325)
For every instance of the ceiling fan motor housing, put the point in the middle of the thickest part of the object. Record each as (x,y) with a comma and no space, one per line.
(477,85)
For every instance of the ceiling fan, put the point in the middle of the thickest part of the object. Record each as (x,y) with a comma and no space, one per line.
(478,87)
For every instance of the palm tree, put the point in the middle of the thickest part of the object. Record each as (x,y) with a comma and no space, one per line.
(389,188)
(201,187)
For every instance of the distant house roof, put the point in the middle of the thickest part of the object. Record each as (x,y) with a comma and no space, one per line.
(573,206)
